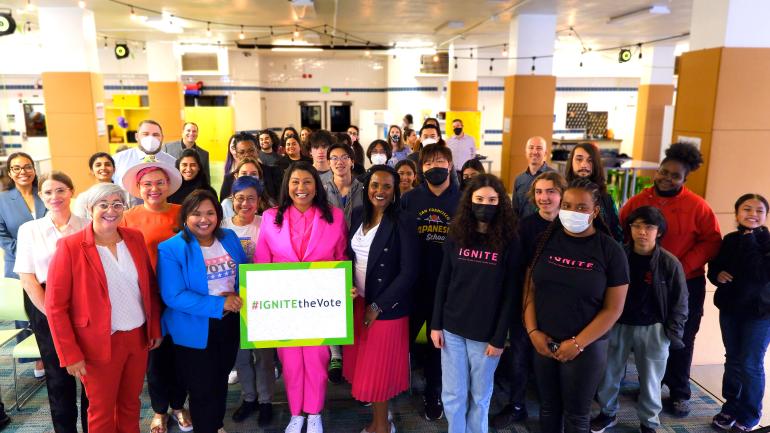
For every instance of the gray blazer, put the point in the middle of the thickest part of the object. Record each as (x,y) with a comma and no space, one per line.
(14,213)
(175,149)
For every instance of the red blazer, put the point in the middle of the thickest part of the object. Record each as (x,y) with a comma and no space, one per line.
(77,301)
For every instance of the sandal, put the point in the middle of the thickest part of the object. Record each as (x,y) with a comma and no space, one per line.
(158,424)
(183,420)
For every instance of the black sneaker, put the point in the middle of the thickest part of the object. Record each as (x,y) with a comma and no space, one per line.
(265,414)
(602,422)
(335,371)
(645,429)
(434,410)
(510,414)
(679,408)
(243,412)
(723,421)
(4,421)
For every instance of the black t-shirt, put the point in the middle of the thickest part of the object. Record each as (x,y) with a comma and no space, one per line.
(641,308)
(571,278)
(476,290)
(530,229)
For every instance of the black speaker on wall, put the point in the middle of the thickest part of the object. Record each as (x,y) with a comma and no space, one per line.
(121,51)
(7,24)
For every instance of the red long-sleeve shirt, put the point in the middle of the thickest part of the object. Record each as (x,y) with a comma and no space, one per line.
(693,234)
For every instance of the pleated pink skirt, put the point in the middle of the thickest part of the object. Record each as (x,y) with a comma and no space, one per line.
(377,364)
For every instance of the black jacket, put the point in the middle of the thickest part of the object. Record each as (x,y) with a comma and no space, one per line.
(747,258)
(391,269)
(671,293)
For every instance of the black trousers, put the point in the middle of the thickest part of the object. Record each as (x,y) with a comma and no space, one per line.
(567,389)
(206,371)
(677,376)
(513,370)
(165,383)
(62,387)
(430,355)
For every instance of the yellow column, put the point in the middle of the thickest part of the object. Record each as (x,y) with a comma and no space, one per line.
(167,107)
(527,111)
(462,95)
(656,91)
(529,93)
(164,89)
(73,91)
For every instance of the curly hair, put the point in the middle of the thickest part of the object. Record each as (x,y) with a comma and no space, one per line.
(686,154)
(501,230)
(597,167)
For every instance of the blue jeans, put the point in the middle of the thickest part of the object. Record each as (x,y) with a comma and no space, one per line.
(743,383)
(650,347)
(466,372)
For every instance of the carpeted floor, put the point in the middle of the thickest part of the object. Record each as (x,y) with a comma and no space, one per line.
(344,415)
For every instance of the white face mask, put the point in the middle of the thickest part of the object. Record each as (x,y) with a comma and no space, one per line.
(574,222)
(379,159)
(428,141)
(149,145)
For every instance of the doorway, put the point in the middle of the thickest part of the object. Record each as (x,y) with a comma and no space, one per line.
(333,116)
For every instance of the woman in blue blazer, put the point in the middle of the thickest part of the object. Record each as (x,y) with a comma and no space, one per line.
(19,203)
(384,252)
(198,278)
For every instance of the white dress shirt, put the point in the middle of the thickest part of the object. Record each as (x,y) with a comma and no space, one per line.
(123,286)
(130,157)
(463,148)
(36,244)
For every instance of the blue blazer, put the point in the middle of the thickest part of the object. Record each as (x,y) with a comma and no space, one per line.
(14,213)
(392,266)
(184,287)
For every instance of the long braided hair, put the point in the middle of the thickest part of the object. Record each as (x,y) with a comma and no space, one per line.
(580,183)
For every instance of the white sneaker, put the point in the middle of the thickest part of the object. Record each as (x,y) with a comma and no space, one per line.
(39,374)
(222,430)
(295,424)
(314,424)
(232,378)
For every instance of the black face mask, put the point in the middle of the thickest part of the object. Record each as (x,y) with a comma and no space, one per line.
(458,131)
(484,212)
(436,175)
(394,138)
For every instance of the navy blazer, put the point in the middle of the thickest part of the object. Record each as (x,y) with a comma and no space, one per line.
(391,269)
(14,213)
(185,290)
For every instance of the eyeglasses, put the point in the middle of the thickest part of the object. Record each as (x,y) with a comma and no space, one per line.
(54,192)
(149,185)
(16,169)
(343,158)
(117,206)
(249,199)
(673,175)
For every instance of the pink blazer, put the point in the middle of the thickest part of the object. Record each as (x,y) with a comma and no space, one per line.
(328,242)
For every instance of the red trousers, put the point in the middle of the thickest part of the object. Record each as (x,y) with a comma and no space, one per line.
(113,388)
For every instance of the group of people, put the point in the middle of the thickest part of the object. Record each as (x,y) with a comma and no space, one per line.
(139,277)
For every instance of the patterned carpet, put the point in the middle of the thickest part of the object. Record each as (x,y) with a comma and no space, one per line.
(344,415)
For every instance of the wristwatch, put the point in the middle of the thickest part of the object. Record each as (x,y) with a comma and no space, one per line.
(374,307)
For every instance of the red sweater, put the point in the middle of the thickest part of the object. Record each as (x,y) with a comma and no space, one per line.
(693,230)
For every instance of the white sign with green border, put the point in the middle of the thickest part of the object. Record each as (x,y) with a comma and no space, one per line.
(296,304)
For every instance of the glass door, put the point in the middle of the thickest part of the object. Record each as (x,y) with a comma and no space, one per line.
(312,114)
(339,115)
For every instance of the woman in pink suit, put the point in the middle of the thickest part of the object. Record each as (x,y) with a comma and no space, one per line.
(303,228)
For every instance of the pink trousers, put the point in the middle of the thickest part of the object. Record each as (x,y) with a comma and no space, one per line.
(305,375)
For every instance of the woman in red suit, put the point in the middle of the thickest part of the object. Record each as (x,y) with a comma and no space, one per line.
(104,311)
